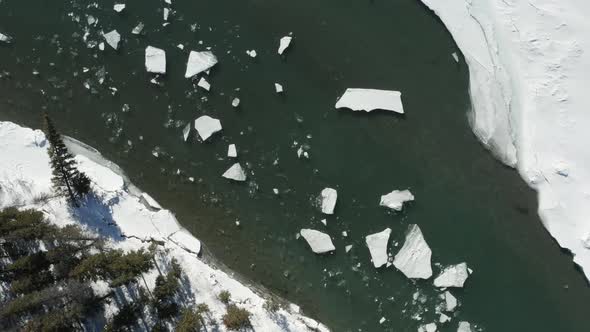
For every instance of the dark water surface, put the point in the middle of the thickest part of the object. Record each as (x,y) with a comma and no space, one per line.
(469,207)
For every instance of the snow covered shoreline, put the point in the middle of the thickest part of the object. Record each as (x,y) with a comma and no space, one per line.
(118,209)
(529,67)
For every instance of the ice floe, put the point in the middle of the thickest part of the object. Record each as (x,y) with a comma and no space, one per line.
(232,152)
(235,102)
(395,200)
(371,99)
(431,327)
(319,242)
(138,28)
(112,38)
(199,62)
(204,84)
(235,172)
(119,7)
(455,57)
(452,276)
(278,88)
(186,131)
(464,327)
(328,198)
(443,318)
(155,60)
(251,53)
(5,38)
(450,301)
(207,126)
(413,259)
(377,244)
(284,44)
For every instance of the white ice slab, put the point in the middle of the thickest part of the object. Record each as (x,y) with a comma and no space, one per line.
(413,259)
(119,7)
(450,301)
(395,200)
(431,327)
(443,318)
(284,44)
(166,14)
(235,102)
(278,88)
(4,38)
(377,244)
(464,327)
(232,152)
(199,62)
(138,28)
(328,197)
(371,99)
(319,242)
(155,60)
(204,84)
(236,173)
(251,53)
(207,126)
(113,38)
(452,276)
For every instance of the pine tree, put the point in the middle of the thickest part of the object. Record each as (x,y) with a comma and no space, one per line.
(67,179)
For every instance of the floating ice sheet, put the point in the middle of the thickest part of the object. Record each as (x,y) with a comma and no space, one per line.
(199,62)
(319,242)
(155,60)
(371,99)
(235,172)
(207,126)
(377,244)
(413,259)
(284,44)
(395,200)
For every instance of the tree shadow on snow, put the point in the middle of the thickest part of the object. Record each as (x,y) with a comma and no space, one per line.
(95,213)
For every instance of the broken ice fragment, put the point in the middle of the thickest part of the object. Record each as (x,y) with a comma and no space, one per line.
(186,131)
(395,199)
(113,38)
(232,152)
(204,84)
(235,102)
(199,62)
(444,318)
(452,276)
(324,221)
(207,126)
(371,99)
(348,248)
(328,197)
(382,320)
(101,46)
(138,29)
(155,60)
(150,202)
(431,327)
(251,53)
(5,38)
(450,301)
(456,57)
(284,43)
(464,327)
(278,88)
(235,172)
(413,259)
(319,242)
(118,7)
(377,244)
(166,14)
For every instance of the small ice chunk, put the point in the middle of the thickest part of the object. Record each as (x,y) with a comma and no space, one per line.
(251,53)
(155,60)
(319,242)
(464,327)
(5,38)
(275,191)
(150,202)
(395,199)
(371,99)
(348,248)
(452,276)
(168,1)
(118,7)
(138,28)
(329,197)
(444,318)
(232,152)
(284,43)
(235,172)
(431,327)
(204,84)
(456,57)
(101,46)
(207,126)
(324,221)
(235,102)
(344,233)
(180,46)
(113,38)
(413,259)
(382,320)
(166,14)
(199,62)
(450,301)
(377,244)
(186,131)
(278,88)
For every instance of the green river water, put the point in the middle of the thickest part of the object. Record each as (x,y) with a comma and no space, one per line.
(469,206)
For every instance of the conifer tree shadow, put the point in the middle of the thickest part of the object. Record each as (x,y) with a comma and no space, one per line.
(95,212)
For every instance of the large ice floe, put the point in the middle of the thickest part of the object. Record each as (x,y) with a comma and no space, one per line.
(413,259)
(206,126)
(464,327)
(452,276)
(112,38)
(284,44)
(199,62)
(26,176)
(371,99)
(235,172)
(430,327)
(318,242)
(155,60)
(528,64)
(328,198)
(377,244)
(395,200)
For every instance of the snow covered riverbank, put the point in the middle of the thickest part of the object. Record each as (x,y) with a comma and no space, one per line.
(120,209)
(529,67)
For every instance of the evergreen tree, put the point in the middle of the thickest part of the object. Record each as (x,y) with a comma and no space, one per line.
(67,179)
